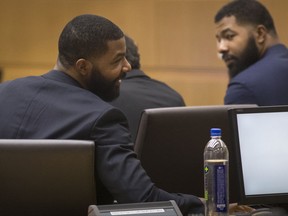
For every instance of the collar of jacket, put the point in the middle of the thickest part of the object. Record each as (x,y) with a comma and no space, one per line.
(60,76)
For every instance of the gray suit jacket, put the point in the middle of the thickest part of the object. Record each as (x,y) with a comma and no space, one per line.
(138,92)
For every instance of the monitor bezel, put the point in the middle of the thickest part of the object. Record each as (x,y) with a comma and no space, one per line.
(269,199)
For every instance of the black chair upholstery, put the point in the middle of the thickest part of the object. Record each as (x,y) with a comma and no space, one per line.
(46,177)
(170,144)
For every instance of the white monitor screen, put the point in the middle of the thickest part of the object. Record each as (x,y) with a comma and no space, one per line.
(263,145)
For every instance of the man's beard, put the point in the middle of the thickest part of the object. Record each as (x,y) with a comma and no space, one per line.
(249,56)
(106,89)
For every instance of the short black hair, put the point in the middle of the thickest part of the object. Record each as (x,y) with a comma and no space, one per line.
(132,54)
(86,36)
(247,12)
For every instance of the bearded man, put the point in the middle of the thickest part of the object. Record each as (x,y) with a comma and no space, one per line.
(257,62)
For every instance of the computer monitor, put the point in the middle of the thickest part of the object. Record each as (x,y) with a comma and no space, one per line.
(46,177)
(261,148)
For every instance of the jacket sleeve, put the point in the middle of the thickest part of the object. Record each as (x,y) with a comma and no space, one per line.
(121,172)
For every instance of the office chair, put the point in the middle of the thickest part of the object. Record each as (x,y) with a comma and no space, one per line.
(46,177)
(170,144)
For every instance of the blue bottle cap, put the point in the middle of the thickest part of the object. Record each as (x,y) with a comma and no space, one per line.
(215,132)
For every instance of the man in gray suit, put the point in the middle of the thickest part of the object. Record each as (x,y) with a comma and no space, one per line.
(138,91)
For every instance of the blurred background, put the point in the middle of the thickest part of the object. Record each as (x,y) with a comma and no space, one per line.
(176,38)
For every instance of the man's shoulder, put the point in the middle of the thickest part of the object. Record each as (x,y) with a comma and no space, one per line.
(23,80)
(53,91)
(22,85)
(265,67)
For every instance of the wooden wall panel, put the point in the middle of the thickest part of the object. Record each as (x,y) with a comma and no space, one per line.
(175,37)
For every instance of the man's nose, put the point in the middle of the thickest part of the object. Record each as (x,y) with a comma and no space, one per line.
(222,46)
(126,67)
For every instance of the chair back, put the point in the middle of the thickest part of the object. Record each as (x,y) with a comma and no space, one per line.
(170,144)
(46,177)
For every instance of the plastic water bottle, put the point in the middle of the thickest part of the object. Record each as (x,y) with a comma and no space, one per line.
(216,175)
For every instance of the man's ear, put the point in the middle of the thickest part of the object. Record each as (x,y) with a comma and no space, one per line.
(83,66)
(261,34)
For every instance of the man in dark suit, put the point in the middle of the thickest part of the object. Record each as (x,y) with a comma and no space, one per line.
(69,103)
(257,62)
(138,91)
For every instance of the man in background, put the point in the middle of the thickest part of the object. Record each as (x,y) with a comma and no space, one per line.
(138,91)
(256,60)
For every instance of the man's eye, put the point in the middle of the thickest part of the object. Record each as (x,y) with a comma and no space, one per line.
(117,61)
(229,37)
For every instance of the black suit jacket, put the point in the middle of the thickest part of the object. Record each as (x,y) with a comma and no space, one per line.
(138,92)
(54,106)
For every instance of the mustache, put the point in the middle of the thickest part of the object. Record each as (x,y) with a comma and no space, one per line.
(226,57)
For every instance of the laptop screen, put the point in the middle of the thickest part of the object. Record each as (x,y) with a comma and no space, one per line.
(261,148)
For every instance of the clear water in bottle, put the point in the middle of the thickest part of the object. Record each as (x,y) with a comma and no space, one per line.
(216,175)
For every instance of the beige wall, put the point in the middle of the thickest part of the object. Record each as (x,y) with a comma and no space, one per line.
(175,37)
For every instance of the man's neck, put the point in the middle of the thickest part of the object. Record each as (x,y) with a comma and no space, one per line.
(69,71)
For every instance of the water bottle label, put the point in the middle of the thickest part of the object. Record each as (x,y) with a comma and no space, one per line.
(220,173)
